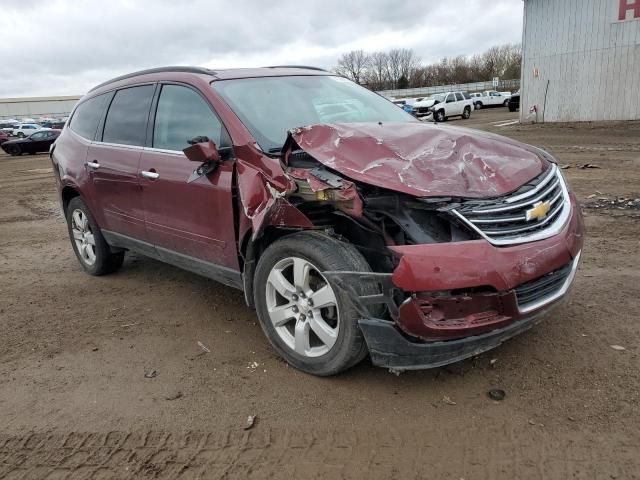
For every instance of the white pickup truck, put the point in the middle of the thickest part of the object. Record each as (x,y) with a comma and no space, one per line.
(444,105)
(490,98)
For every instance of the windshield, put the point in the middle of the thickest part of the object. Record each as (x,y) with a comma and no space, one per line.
(270,106)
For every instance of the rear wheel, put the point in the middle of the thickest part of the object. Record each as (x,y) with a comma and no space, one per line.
(20,135)
(506,102)
(91,249)
(308,320)
(14,150)
(478,105)
(466,113)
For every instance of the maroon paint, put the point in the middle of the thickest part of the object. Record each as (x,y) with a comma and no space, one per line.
(115,188)
(196,218)
(421,159)
(446,318)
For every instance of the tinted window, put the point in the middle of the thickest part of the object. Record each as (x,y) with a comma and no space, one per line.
(39,135)
(466,95)
(451,98)
(183,114)
(87,116)
(459,97)
(126,121)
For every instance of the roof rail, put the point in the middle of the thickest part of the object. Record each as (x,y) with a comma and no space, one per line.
(305,67)
(156,70)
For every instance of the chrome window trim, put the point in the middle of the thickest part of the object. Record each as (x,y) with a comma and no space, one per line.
(558,293)
(550,231)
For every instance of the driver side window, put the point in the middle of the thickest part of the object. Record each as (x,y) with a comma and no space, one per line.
(451,98)
(182,115)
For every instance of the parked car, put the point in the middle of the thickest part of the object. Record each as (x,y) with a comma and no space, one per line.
(490,98)
(7,126)
(514,102)
(34,143)
(3,137)
(375,232)
(22,130)
(444,105)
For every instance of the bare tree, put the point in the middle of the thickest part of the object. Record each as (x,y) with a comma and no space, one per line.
(378,72)
(401,68)
(353,65)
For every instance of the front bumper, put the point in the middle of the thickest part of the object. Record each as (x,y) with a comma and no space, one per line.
(451,301)
(389,348)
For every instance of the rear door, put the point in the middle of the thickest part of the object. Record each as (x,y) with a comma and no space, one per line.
(194,220)
(113,161)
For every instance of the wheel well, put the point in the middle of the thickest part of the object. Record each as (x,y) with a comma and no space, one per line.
(342,227)
(68,193)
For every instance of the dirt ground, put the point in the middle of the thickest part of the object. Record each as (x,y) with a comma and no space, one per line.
(75,403)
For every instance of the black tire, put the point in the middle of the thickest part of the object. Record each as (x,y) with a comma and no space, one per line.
(466,113)
(479,105)
(20,135)
(506,102)
(106,261)
(439,116)
(512,108)
(14,150)
(326,254)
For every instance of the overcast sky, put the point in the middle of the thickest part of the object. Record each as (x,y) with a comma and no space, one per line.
(64,47)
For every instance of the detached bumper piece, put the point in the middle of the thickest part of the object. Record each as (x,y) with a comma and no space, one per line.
(389,348)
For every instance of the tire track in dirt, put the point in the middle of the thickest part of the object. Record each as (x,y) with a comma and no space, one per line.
(499,452)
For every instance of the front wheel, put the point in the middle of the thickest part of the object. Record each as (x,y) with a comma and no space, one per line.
(439,116)
(20,135)
(91,249)
(466,113)
(309,321)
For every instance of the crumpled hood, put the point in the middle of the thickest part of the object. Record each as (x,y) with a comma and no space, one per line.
(424,160)
(427,102)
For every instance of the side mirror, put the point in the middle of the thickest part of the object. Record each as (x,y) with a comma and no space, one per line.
(205,152)
(202,150)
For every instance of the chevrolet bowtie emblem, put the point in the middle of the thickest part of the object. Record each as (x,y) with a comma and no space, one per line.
(539,211)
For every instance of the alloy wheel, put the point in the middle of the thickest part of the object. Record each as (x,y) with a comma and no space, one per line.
(83,237)
(302,307)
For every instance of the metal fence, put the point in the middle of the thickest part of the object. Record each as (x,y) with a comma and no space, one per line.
(465,87)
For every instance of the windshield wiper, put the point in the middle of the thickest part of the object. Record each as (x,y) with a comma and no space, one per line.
(275,150)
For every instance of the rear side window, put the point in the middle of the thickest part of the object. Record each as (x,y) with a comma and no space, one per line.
(182,115)
(87,116)
(126,121)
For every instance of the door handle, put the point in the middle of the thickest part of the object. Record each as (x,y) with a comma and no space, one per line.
(150,174)
(95,165)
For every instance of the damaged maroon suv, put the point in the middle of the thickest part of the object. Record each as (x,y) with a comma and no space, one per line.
(352,228)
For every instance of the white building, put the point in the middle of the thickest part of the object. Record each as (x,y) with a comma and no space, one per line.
(36,107)
(581,60)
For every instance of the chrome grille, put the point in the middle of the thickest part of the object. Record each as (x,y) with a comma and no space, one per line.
(536,211)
